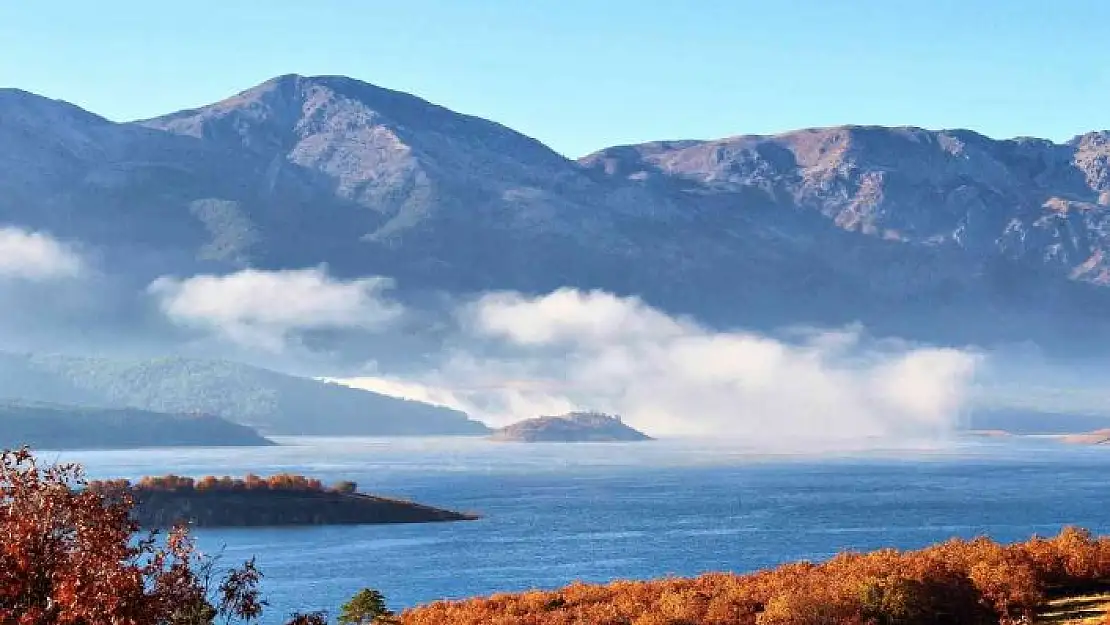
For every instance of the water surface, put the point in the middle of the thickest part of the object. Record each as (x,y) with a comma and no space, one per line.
(558,513)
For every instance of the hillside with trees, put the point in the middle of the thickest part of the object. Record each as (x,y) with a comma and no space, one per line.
(50,426)
(272,402)
(959,582)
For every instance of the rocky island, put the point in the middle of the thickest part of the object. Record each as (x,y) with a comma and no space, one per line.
(255,501)
(574,427)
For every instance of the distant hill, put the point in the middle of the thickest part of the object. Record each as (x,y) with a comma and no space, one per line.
(43,426)
(942,235)
(1098,437)
(1030,421)
(273,403)
(575,427)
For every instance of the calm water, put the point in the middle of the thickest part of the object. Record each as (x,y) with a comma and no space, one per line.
(555,513)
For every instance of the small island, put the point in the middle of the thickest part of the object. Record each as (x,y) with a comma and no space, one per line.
(1097,437)
(255,501)
(574,427)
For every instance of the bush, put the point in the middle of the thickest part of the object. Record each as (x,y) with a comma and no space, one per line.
(72,555)
(959,582)
(345,487)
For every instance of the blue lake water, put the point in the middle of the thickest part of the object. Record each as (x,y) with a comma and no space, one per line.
(558,513)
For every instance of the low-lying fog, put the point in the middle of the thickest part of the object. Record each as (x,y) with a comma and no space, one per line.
(504,356)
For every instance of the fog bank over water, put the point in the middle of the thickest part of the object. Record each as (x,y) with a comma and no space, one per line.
(508,356)
(518,356)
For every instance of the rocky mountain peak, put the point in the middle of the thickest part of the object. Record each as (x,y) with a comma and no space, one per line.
(386,150)
(1092,157)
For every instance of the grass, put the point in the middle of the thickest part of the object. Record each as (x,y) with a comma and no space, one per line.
(1085,609)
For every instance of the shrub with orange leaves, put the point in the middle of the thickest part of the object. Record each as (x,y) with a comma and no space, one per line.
(958,582)
(71,555)
(281,481)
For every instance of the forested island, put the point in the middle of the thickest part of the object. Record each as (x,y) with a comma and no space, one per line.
(574,427)
(254,501)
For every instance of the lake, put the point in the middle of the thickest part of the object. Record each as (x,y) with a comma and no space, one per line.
(595,512)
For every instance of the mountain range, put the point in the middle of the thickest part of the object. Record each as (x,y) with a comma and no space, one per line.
(940,235)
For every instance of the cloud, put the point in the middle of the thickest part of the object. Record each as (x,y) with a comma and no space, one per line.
(266,308)
(568,315)
(520,356)
(36,257)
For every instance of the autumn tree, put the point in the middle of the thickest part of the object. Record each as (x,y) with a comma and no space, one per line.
(72,555)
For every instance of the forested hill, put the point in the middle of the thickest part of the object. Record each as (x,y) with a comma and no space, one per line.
(274,403)
(45,426)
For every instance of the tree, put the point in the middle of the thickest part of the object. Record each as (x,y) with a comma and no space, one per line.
(367,607)
(72,555)
(310,618)
(345,487)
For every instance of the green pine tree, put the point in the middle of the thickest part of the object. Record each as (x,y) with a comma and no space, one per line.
(367,607)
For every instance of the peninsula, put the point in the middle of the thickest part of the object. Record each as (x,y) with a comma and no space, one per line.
(48,426)
(574,427)
(256,501)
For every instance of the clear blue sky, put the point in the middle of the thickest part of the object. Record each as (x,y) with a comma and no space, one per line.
(584,74)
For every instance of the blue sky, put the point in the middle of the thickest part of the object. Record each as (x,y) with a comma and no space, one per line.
(584,74)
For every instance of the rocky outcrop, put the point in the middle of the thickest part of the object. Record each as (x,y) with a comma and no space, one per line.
(575,427)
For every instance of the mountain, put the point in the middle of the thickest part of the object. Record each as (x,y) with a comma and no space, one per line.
(451,201)
(140,197)
(947,236)
(49,426)
(274,403)
(1025,200)
(1016,228)
(1027,421)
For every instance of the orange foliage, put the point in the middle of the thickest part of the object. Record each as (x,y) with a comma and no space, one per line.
(67,555)
(177,483)
(958,582)
(70,554)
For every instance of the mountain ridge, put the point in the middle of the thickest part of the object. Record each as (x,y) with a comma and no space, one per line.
(943,235)
(56,427)
(272,402)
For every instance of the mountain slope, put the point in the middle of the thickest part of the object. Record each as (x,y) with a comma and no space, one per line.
(154,202)
(272,402)
(388,151)
(464,203)
(1025,200)
(471,205)
(49,426)
(939,235)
